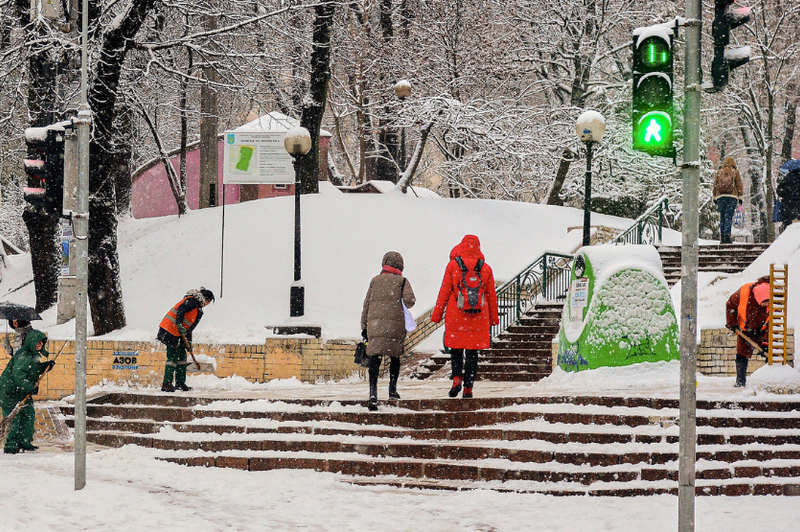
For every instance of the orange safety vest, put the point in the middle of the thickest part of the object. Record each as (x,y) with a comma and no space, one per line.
(169,323)
(744,297)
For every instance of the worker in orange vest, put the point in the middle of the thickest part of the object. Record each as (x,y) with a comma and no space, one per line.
(176,333)
(747,311)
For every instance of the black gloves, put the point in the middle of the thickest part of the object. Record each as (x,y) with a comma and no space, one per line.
(740,201)
(35,390)
(49,365)
(751,333)
(364,334)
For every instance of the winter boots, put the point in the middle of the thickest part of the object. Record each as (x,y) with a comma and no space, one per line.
(374,366)
(167,387)
(741,371)
(454,391)
(467,393)
(182,387)
(394,374)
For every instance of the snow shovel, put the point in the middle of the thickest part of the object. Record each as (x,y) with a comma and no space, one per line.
(206,367)
(5,424)
(750,341)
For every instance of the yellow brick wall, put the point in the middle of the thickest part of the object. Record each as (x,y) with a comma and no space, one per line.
(307,359)
(716,354)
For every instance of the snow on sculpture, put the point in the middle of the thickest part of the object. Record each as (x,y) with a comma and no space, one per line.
(618,312)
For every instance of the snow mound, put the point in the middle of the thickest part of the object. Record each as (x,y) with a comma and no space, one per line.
(235,382)
(644,375)
(776,378)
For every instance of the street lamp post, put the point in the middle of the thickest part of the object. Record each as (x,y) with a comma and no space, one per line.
(590,128)
(297,142)
(402,89)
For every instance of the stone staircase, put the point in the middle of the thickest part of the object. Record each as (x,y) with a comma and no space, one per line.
(615,446)
(522,353)
(723,258)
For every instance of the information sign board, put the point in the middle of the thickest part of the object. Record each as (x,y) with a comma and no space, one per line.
(256,157)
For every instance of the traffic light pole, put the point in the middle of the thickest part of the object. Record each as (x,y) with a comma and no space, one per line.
(690,173)
(81,221)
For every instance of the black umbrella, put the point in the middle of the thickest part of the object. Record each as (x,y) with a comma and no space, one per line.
(15,311)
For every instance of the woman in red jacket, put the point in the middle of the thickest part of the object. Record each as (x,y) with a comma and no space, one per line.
(469,297)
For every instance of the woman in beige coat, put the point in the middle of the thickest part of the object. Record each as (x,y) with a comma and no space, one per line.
(727,193)
(383,322)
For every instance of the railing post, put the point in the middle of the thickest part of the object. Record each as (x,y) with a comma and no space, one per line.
(544,277)
(518,298)
(661,219)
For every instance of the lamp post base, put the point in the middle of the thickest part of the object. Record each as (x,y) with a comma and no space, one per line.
(297,301)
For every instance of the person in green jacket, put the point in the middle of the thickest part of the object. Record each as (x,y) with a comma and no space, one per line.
(20,378)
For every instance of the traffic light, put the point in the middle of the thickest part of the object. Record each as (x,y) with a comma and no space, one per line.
(652,90)
(726,59)
(46,167)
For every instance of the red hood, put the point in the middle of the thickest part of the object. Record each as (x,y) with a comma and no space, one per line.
(469,248)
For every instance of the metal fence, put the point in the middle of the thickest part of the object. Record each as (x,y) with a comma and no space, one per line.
(647,228)
(547,279)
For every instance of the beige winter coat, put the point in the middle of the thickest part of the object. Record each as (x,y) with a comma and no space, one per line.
(382,315)
(728,181)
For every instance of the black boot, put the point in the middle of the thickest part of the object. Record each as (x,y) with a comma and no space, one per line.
(28,448)
(374,366)
(182,387)
(741,372)
(394,374)
(167,387)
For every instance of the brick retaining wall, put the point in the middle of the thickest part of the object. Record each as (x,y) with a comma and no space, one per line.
(716,354)
(142,363)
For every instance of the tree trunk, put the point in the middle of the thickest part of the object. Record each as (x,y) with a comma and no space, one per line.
(209,156)
(758,207)
(105,290)
(791,120)
(314,104)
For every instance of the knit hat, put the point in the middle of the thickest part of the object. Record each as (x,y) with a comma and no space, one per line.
(761,292)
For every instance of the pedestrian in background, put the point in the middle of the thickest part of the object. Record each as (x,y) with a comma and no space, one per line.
(176,334)
(789,193)
(747,311)
(21,329)
(19,379)
(383,324)
(468,302)
(727,192)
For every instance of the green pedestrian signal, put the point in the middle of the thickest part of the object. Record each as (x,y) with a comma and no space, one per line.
(653,106)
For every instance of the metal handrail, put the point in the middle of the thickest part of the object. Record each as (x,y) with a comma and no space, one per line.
(647,229)
(547,278)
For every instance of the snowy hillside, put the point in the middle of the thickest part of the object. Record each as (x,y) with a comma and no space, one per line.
(344,239)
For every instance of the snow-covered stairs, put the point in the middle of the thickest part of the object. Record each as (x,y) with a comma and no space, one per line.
(558,445)
(723,258)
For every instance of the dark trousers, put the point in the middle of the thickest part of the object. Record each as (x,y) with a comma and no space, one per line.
(741,370)
(20,433)
(727,208)
(464,363)
(176,365)
(374,368)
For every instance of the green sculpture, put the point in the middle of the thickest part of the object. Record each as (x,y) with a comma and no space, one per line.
(619,310)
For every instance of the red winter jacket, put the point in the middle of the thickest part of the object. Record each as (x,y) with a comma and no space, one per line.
(464,330)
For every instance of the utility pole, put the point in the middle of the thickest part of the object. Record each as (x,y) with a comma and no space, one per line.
(81,221)
(690,173)
(209,110)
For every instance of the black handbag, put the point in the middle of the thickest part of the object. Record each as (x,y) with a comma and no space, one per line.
(361,357)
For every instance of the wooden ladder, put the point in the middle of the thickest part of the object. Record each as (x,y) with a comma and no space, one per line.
(778,338)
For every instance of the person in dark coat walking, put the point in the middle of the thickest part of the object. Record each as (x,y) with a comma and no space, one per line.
(466,330)
(20,378)
(747,310)
(176,334)
(383,322)
(789,193)
(727,192)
